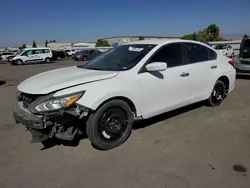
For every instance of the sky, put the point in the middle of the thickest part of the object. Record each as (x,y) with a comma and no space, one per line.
(23,21)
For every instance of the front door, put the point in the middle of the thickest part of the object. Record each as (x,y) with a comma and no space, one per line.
(166,90)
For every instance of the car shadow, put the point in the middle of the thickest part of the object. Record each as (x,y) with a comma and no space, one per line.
(140,124)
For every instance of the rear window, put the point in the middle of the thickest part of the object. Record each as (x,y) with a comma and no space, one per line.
(246,43)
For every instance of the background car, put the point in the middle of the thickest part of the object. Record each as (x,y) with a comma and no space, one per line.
(6,55)
(69,53)
(225,49)
(245,48)
(57,55)
(86,55)
(243,62)
(9,58)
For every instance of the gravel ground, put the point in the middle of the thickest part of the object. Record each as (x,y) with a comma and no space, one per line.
(194,147)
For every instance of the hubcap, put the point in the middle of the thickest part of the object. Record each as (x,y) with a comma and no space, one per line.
(113,124)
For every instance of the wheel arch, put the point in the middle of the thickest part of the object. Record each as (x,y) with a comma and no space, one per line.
(225,80)
(126,99)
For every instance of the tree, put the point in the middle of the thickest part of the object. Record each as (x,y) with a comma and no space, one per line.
(245,36)
(52,41)
(194,36)
(211,33)
(141,38)
(23,46)
(34,44)
(102,43)
(46,43)
(188,37)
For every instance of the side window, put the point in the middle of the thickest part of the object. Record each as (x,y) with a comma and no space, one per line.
(196,53)
(212,54)
(47,51)
(38,51)
(28,52)
(171,54)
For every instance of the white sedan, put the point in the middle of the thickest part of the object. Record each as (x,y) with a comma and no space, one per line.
(133,81)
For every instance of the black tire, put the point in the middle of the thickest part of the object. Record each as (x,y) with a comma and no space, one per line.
(19,62)
(47,60)
(84,58)
(218,94)
(58,58)
(110,125)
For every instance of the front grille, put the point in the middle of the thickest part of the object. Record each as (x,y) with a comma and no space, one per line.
(28,99)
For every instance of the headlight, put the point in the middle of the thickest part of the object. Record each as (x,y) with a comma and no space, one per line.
(59,102)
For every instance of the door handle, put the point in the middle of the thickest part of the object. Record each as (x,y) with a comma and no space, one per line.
(184,74)
(213,66)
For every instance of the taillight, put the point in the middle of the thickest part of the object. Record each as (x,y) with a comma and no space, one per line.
(232,62)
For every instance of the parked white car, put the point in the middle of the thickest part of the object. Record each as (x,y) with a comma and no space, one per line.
(225,49)
(5,55)
(69,52)
(133,81)
(32,55)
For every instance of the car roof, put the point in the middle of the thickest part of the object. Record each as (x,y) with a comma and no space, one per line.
(37,48)
(160,41)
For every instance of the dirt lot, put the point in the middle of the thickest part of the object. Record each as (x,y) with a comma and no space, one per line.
(195,147)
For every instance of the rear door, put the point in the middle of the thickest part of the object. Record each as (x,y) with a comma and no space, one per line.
(203,69)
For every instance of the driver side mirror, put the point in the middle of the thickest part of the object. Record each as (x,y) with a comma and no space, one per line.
(156,66)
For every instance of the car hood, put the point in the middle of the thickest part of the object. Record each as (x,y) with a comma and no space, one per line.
(57,79)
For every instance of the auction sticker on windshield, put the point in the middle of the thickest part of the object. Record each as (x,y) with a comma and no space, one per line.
(133,49)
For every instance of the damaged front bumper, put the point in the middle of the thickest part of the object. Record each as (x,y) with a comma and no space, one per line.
(37,125)
(45,127)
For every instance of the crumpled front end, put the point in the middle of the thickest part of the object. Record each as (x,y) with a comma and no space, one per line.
(62,124)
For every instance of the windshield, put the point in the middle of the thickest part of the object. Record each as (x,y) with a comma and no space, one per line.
(221,47)
(121,58)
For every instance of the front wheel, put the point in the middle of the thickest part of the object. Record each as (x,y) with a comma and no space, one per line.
(110,125)
(19,62)
(218,94)
(47,60)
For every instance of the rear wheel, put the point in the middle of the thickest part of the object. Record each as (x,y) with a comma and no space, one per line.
(110,125)
(218,94)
